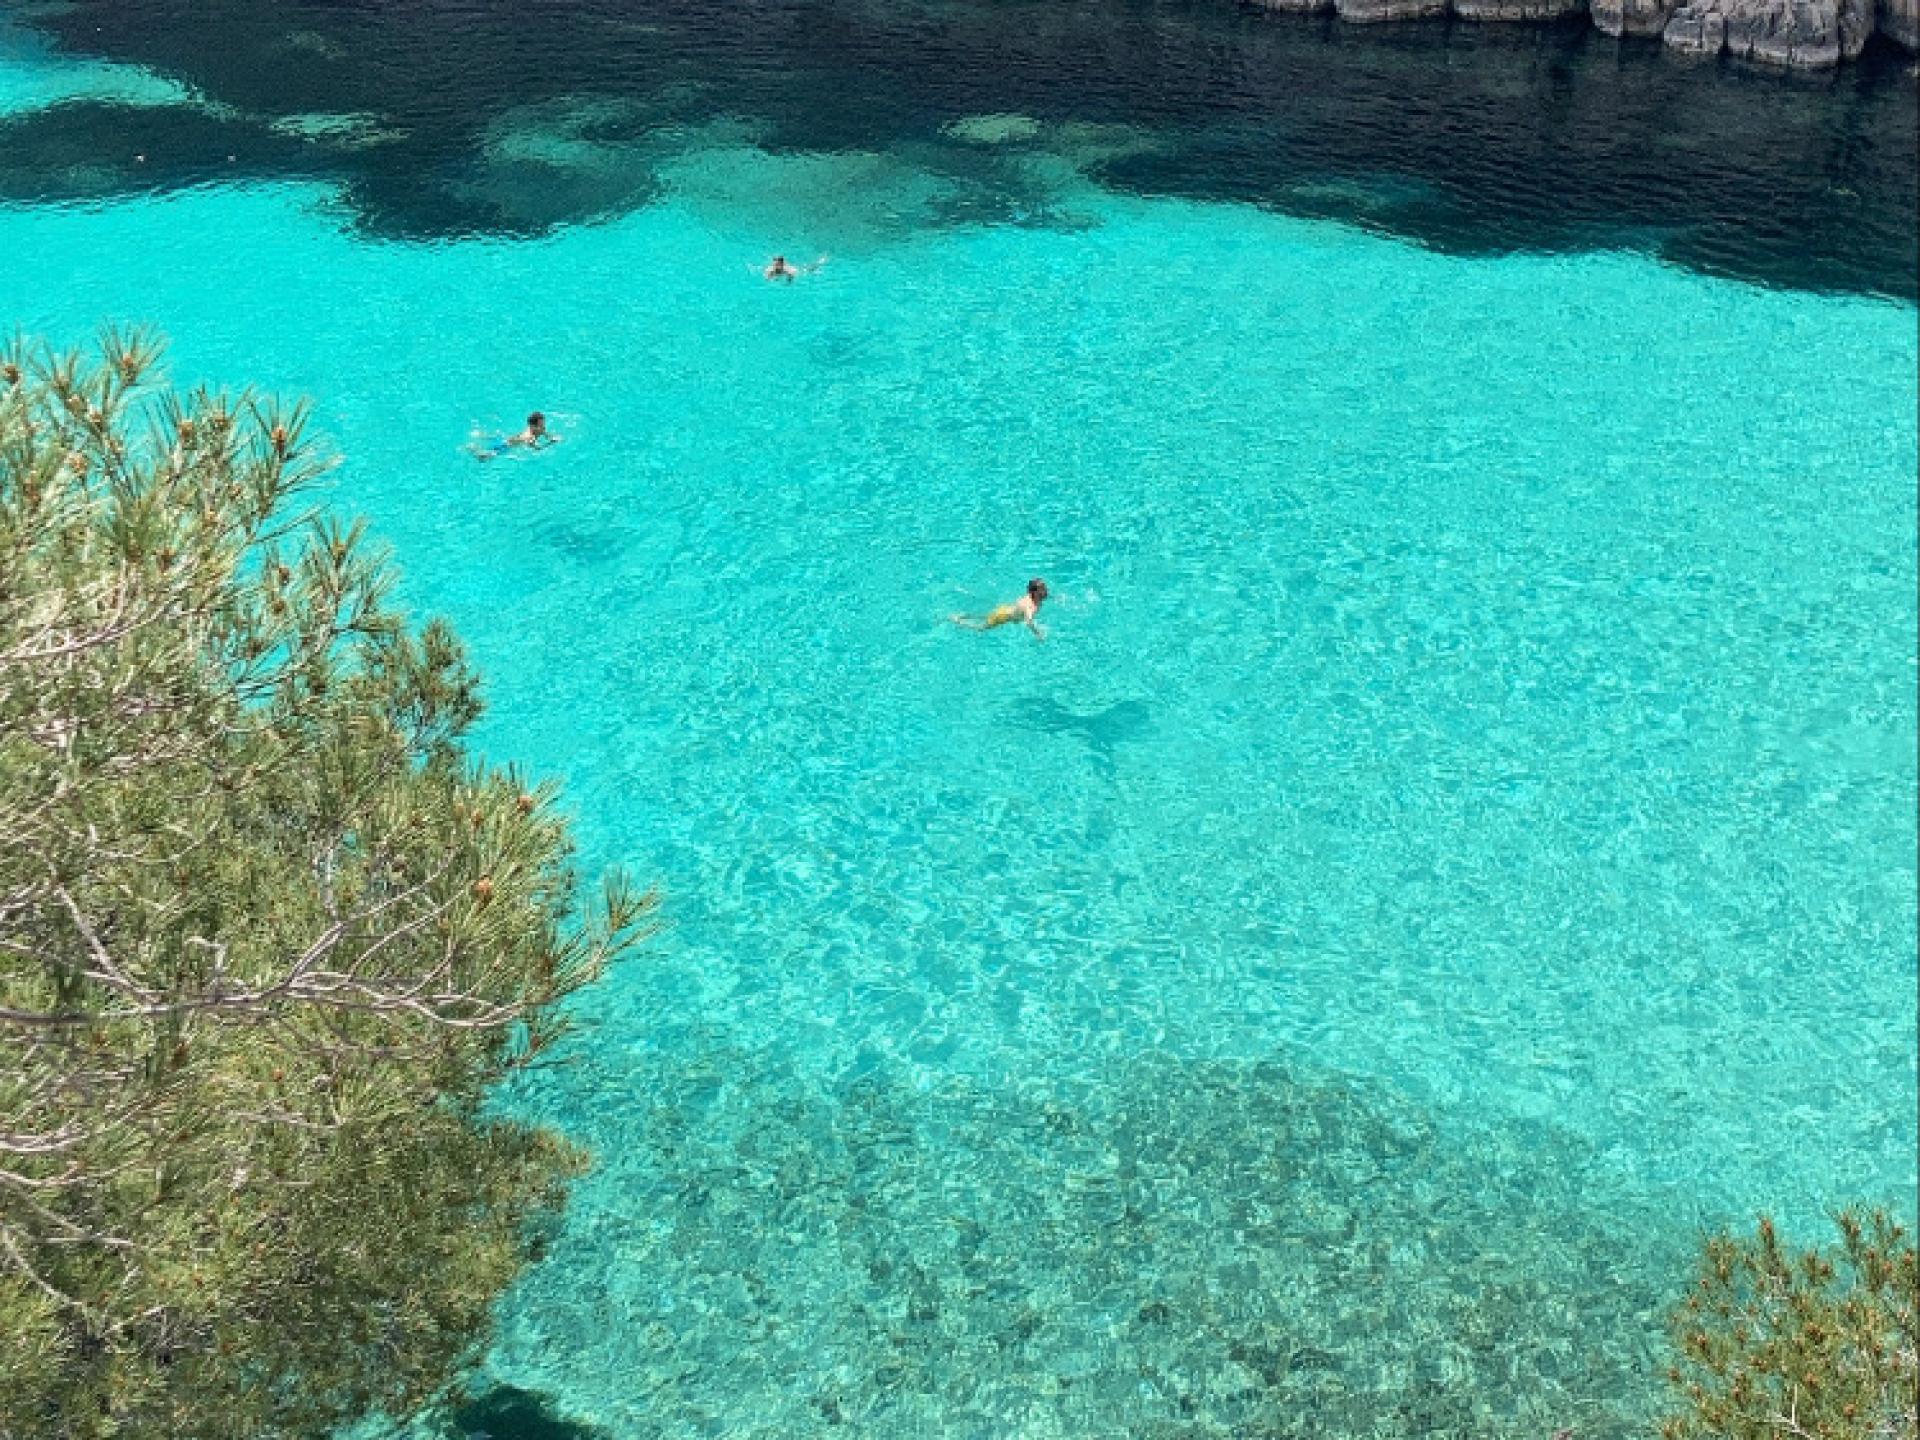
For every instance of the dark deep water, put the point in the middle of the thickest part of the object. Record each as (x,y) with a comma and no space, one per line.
(1472,138)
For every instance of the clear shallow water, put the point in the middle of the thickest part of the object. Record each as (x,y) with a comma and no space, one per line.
(1457,840)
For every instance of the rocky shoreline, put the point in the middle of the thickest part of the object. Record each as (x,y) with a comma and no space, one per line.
(1796,34)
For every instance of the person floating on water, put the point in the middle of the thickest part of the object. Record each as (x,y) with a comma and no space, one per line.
(1025,610)
(781,268)
(532,438)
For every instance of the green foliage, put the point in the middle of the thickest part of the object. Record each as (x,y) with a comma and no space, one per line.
(1814,1345)
(267,936)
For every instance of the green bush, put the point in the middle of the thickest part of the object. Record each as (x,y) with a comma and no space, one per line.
(1809,1346)
(267,936)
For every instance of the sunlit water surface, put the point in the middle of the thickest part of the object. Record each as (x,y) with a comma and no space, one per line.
(1456,840)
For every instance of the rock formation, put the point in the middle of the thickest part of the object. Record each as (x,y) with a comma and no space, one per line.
(1801,34)
(1808,34)
(1363,11)
(1517,9)
(1900,23)
(1632,17)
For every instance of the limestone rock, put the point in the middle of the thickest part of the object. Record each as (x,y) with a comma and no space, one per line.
(1857,24)
(1696,30)
(1900,22)
(1805,34)
(1634,17)
(1800,34)
(1364,11)
(1517,9)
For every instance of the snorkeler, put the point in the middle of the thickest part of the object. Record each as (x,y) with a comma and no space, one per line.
(1025,610)
(532,438)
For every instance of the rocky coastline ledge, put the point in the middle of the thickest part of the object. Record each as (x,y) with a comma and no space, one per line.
(1799,34)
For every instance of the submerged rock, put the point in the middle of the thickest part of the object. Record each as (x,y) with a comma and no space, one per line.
(993,129)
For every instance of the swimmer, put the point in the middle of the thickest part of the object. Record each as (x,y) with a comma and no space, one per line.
(535,435)
(781,268)
(532,438)
(1025,610)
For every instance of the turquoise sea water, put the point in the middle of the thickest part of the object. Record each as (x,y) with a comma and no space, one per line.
(1457,840)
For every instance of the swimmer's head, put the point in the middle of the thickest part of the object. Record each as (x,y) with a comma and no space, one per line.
(1036,590)
(536,422)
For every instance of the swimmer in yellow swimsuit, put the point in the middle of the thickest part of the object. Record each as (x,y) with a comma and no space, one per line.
(1025,610)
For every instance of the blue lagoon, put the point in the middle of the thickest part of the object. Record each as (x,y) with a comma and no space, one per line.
(1455,844)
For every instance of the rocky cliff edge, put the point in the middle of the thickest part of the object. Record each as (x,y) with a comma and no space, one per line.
(1801,34)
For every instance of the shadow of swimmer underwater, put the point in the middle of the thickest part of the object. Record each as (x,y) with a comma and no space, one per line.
(506,1412)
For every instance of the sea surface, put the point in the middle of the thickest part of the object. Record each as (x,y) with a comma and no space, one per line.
(1456,841)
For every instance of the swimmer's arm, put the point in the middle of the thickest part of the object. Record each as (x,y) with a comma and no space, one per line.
(1033,624)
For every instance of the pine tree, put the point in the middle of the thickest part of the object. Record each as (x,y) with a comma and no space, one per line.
(267,936)
(1805,1346)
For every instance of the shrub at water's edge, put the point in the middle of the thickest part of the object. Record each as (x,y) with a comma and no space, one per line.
(1817,1345)
(267,935)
